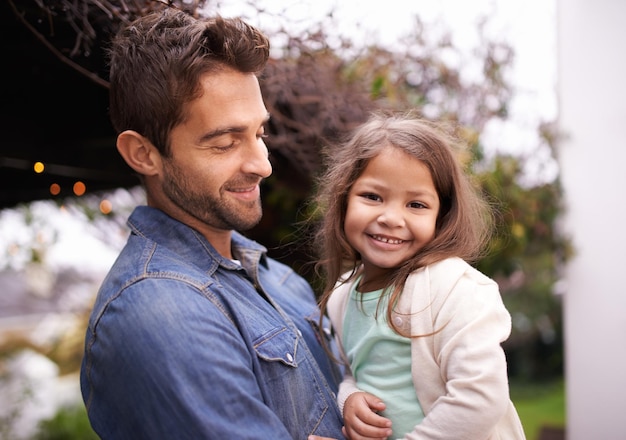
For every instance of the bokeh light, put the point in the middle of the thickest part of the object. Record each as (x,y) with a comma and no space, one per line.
(106,207)
(79,188)
(55,189)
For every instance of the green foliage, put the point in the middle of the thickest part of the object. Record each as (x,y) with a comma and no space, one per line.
(539,405)
(69,423)
(526,255)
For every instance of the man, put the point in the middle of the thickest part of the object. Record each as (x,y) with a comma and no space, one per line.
(195,332)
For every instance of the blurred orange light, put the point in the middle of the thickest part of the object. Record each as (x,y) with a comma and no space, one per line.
(55,189)
(106,207)
(38,167)
(79,188)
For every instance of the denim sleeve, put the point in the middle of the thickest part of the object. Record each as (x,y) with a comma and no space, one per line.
(162,361)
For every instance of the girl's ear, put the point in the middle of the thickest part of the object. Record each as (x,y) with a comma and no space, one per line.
(139,153)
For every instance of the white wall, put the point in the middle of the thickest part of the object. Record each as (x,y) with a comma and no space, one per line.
(592,115)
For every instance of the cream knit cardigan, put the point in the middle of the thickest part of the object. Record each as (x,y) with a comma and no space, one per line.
(460,372)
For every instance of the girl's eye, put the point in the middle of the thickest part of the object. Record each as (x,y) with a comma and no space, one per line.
(417,205)
(370,196)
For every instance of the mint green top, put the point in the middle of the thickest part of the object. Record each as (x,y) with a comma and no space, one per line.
(380,360)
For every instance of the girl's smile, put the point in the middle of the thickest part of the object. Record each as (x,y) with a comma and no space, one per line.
(387,239)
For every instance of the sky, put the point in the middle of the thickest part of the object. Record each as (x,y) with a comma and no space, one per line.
(529,26)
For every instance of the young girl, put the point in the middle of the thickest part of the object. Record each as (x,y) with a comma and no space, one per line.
(420,328)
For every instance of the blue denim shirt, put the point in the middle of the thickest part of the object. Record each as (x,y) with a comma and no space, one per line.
(185,344)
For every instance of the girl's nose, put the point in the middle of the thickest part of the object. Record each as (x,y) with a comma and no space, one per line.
(391,217)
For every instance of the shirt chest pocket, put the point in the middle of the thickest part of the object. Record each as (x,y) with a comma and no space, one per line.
(289,381)
(278,345)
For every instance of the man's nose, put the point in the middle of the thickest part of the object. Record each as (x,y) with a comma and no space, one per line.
(257,160)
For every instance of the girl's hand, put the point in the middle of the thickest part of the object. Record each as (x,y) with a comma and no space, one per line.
(361,419)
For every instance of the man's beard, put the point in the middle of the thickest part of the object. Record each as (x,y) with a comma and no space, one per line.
(211,210)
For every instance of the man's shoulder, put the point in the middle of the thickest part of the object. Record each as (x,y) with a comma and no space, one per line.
(144,264)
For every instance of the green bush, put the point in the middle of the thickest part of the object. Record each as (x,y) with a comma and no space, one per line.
(69,423)
(539,405)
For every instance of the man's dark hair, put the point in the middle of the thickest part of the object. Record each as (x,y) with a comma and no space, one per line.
(156,63)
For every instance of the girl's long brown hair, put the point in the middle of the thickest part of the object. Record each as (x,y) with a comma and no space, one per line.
(464,220)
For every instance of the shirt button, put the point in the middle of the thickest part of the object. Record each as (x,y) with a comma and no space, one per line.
(397,321)
(289,357)
(299,333)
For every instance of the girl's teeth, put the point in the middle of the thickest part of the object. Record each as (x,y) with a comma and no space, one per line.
(387,240)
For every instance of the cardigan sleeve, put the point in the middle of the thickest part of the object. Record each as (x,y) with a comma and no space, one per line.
(347,387)
(460,371)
